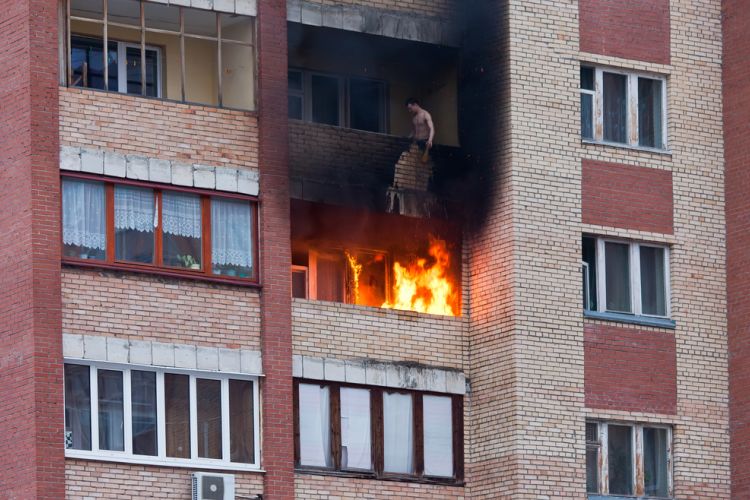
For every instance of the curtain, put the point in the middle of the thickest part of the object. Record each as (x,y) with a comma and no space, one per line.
(650,113)
(615,112)
(241,421)
(398,430)
(111,416)
(182,214)
(134,209)
(84,222)
(231,240)
(78,407)
(617,274)
(656,473)
(438,435)
(355,428)
(653,290)
(314,425)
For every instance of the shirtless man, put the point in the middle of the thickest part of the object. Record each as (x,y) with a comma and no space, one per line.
(422,129)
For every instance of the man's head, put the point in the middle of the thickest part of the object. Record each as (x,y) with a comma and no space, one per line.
(412,105)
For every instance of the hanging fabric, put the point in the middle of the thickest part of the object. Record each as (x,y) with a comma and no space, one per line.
(84,223)
(182,214)
(231,240)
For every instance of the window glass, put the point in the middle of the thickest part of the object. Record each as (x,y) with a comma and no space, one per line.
(366,105)
(231,238)
(143,397)
(655,464)
(299,283)
(398,433)
(87,61)
(325,99)
(90,9)
(135,220)
(241,421)
(200,22)
(177,414)
(201,70)
(77,407)
(237,72)
(617,257)
(592,458)
(355,428)
(589,273)
(124,12)
(182,229)
(587,116)
(295,107)
(84,219)
(653,275)
(587,78)
(208,395)
(620,444)
(650,112)
(163,17)
(615,107)
(438,435)
(331,277)
(314,426)
(111,417)
(294,80)
(133,71)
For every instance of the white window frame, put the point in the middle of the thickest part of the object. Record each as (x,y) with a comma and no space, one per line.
(635,277)
(632,107)
(122,75)
(638,487)
(161,458)
(592,93)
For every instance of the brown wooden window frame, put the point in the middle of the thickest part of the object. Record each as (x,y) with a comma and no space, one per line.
(377,435)
(157,267)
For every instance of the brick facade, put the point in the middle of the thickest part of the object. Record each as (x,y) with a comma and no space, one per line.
(626,196)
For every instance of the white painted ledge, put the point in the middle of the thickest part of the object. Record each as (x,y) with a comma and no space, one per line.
(244,7)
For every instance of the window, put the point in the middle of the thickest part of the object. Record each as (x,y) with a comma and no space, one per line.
(623,108)
(145,227)
(378,432)
(358,103)
(141,414)
(628,460)
(625,277)
(159,50)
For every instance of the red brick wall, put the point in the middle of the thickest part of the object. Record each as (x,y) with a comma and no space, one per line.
(276,258)
(629,369)
(626,196)
(31,412)
(737,170)
(632,29)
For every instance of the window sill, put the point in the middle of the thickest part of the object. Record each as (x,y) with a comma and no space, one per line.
(158,271)
(591,142)
(449,481)
(631,319)
(592,496)
(162,462)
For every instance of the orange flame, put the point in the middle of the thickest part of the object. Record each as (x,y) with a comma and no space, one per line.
(356,268)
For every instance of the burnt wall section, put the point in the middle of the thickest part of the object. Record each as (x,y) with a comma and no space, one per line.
(626,196)
(627,369)
(31,405)
(636,29)
(736,72)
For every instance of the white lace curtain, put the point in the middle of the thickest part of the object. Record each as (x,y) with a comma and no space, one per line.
(182,214)
(355,428)
(135,209)
(231,241)
(314,425)
(398,433)
(84,222)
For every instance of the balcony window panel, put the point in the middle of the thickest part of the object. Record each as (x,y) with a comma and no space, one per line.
(615,112)
(241,421)
(398,433)
(231,237)
(650,101)
(133,71)
(90,9)
(143,412)
(200,22)
(111,410)
(620,457)
(330,283)
(438,435)
(315,426)
(355,429)
(177,415)
(77,407)
(237,70)
(592,458)
(135,222)
(87,59)
(589,275)
(208,396)
(201,71)
(162,17)
(295,82)
(366,104)
(124,12)
(84,219)
(655,462)
(182,230)
(653,281)
(325,99)
(617,273)
(587,103)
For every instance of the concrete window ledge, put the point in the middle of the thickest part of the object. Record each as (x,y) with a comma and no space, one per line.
(633,320)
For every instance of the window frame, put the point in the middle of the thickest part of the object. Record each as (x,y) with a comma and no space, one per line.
(344,98)
(637,445)
(157,267)
(377,435)
(632,114)
(635,277)
(161,459)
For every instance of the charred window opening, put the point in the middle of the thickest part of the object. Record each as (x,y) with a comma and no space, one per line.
(375,260)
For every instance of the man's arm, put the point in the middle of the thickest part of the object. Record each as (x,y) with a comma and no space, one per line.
(431,126)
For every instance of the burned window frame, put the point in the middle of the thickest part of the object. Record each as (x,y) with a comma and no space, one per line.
(632,114)
(67,72)
(601,445)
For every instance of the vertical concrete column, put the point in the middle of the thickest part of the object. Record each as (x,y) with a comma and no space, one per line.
(275,251)
(31,389)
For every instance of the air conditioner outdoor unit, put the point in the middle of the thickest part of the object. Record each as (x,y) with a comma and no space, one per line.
(207,486)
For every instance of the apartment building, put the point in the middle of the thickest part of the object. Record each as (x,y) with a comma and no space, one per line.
(228,273)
